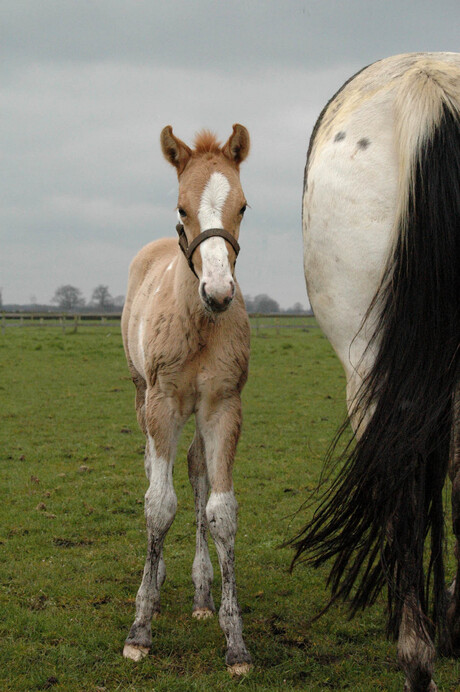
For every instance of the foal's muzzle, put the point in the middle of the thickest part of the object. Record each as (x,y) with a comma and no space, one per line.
(217,302)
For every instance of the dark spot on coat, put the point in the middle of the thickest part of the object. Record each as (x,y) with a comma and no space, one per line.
(339,136)
(363,143)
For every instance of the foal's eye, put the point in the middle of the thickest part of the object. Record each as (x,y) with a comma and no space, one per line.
(182,213)
(243,209)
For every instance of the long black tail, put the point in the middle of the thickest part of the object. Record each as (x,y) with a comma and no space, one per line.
(386,503)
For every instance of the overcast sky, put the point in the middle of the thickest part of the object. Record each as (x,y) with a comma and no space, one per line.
(87,86)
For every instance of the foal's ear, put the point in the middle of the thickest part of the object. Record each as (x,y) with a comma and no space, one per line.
(174,150)
(237,147)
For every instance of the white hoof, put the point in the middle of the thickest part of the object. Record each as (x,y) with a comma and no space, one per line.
(135,653)
(202,614)
(239,669)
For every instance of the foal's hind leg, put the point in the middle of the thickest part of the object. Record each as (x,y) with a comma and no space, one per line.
(453,612)
(220,426)
(202,572)
(160,508)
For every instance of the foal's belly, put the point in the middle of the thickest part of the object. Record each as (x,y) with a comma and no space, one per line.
(348,215)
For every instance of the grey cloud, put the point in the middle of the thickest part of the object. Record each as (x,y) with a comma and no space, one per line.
(233,35)
(87,86)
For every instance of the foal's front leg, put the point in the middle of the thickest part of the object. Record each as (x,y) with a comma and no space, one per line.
(160,510)
(202,572)
(220,426)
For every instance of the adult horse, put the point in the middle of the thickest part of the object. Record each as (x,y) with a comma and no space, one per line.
(381,224)
(186,337)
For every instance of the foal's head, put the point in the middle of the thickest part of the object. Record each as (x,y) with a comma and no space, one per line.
(210,197)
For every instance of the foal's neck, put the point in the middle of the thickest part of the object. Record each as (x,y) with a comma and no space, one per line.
(188,303)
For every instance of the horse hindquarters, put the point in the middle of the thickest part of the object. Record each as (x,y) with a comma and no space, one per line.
(349,206)
(410,345)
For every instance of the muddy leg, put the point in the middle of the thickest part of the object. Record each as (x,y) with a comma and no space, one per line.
(453,611)
(202,572)
(220,429)
(416,651)
(160,509)
(161,572)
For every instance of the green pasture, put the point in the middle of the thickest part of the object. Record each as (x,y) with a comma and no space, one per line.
(72,539)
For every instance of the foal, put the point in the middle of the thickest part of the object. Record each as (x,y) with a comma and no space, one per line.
(186,337)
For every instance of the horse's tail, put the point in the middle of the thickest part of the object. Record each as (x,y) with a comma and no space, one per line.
(387,500)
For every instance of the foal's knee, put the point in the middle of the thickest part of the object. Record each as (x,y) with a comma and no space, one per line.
(221,513)
(160,507)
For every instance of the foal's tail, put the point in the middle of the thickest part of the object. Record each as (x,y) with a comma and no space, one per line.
(387,500)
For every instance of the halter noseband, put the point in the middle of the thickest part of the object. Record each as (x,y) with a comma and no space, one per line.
(188,250)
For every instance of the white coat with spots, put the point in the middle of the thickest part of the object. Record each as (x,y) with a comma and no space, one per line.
(381,228)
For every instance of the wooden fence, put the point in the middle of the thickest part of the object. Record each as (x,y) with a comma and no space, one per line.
(65,321)
(70,322)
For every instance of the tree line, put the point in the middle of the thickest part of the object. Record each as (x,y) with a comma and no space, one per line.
(69,298)
(263,304)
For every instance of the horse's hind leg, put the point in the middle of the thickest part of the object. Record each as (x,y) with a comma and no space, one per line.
(202,572)
(453,611)
(160,508)
(220,426)
(416,651)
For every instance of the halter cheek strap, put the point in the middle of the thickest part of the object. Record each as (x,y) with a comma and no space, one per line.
(188,250)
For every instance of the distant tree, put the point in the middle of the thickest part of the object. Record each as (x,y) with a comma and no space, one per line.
(1,298)
(101,297)
(118,302)
(68,297)
(265,304)
(297,308)
(249,303)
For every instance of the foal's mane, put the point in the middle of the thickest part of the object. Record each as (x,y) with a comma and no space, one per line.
(206,142)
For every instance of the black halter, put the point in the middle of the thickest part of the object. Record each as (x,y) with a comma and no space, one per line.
(188,250)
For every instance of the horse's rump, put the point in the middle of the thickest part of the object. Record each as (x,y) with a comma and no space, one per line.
(387,499)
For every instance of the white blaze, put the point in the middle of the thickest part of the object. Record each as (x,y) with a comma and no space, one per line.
(216,268)
(212,201)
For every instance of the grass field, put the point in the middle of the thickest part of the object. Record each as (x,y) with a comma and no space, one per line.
(72,536)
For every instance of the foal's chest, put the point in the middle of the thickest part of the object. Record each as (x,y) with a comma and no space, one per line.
(210,362)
